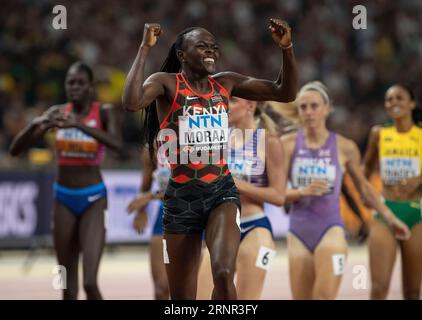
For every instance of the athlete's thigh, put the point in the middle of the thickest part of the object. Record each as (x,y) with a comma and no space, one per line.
(223,235)
(92,230)
(256,252)
(65,224)
(66,243)
(65,234)
(330,260)
(382,254)
(205,282)
(301,268)
(182,254)
(158,269)
(412,262)
(92,238)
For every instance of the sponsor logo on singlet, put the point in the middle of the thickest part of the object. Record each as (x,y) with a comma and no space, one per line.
(74,143)
(395,169)
(199,126)
(306,170)
(241,169)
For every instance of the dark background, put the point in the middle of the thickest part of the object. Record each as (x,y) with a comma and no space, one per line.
(356,65)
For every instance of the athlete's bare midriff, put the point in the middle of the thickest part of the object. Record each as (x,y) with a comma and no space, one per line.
(78,176)
(396,193)
(250,207)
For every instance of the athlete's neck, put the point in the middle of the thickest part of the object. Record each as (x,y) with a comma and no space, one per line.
(81,107)
(316,137)
(198,82)
(403,124)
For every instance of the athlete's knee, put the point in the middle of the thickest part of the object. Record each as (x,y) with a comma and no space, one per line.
(223,283)
(411,294)
(161,291)
(91,290)
(70,294)
(379,290)
(223,276)
(324,294)
(71,291)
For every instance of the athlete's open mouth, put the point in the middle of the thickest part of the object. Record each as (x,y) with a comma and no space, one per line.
(396,109)
(75,92)
(209,60)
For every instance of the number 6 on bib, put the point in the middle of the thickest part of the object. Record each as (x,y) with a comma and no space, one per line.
(265,258)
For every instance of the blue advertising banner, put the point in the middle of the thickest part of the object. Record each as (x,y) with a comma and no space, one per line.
(26,202)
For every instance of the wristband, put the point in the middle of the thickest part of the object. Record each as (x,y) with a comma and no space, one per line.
(286,48)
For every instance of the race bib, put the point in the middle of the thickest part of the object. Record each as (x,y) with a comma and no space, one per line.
(306,170)
(338,261)
(74,143)
(206,129)
(265,258)
(394,170)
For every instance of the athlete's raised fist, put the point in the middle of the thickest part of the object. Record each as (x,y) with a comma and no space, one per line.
(281,32)
(151,33)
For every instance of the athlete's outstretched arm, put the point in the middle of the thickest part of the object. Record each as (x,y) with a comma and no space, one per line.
(145,195)
(140,202)
(284,89)
(370,159)
(113,138)
(148,169)
(33,131)
(137,93)
(368,194)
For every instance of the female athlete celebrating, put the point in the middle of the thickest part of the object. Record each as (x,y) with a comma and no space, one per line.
(190,104)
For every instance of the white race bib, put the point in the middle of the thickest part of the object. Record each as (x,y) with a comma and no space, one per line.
(394,170)
(339,261)
(203,129)
(306,170)
(265,258)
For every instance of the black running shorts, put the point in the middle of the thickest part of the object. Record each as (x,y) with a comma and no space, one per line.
(188,206)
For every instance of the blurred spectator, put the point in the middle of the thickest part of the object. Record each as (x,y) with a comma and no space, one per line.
(356,65)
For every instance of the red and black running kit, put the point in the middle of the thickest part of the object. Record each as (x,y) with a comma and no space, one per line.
(197,129)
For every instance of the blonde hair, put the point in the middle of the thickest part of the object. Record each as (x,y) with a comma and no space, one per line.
(263,120)
(317,86)
(290,110)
